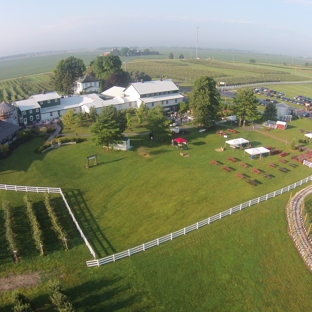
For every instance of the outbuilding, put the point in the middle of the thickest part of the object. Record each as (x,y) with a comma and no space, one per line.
(282,125)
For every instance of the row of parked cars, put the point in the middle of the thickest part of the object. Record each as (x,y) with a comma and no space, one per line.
(269,93)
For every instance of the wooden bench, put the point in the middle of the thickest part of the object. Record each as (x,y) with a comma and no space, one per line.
(255,170)
(232,159)
(239,175)
(292,165)
(283,154)
(272,165)
(225,168)
(242,164)
(213,162)
(266,175)
(283,169)
(283,161)
(251,182)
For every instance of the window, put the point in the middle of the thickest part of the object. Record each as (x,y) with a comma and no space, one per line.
(130,104)
(24,113)
(41,102)
(55,100)
(48,101)
(30,112)
(25,121)
(31,118)
(37,117)
(37,110)
(176,100)
(21,120)
(167,102)
(51,114)
(152,104)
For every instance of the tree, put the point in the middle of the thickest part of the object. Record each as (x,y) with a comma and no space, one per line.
(141,113)
(103,66)
(270,112)
(120,79)
(252,61)
(66,73)
(129,122)
(109,126)
(183,107)
(245,106)
(156,120)
(68,118)
(205,101)
(171,56)
(79,118)
(306,64)
(92,113)
(138,76)
(4,149)
(181,56)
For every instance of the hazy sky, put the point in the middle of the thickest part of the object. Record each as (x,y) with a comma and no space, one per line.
(270,26)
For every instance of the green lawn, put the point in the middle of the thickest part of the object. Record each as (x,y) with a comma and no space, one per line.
(245,262)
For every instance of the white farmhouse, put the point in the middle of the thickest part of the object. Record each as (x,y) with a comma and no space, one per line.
(87,84)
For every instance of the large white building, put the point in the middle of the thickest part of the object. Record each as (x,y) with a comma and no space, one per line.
(50,105)
(87,84)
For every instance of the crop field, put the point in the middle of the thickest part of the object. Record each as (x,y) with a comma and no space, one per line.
(129,199)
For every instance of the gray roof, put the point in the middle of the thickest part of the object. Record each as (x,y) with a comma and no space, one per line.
(154,86)
(6,129)
(46,96)
(87,78)
(25,105)
(6,108)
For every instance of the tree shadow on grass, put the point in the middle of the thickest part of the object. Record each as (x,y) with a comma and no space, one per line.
(87,222)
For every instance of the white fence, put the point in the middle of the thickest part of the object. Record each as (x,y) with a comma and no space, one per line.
(195,226)
(307,163)
(34,189)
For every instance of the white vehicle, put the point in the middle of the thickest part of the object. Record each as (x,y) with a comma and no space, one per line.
(174,130)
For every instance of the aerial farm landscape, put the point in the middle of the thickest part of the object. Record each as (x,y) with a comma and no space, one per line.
(155,177)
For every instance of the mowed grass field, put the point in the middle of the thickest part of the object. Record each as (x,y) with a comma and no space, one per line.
(245,262)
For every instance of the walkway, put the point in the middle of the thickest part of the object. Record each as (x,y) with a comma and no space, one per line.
(266,133)
(296,228)
(58,129)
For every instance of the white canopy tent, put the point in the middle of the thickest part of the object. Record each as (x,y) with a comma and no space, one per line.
(308,135)
(257,151)
(237,143)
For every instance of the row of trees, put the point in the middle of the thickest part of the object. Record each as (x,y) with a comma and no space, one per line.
(171,56)
(107,69)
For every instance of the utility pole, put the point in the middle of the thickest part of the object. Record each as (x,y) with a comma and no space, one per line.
(197,42)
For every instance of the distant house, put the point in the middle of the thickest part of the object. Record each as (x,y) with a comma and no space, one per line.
(9,113)
(29,110)
(87,84)
(8,132)
(282,111)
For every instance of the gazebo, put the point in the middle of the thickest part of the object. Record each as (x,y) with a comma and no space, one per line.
(237,143)
(257,151)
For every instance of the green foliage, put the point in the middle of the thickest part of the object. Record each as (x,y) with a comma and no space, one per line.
(293,145)
(68,118)
(245,106)
(181,56)
(21,303)
(183,107)
(93,114)
(66,73)
(139,75)
(4,149)
(35,227)
(171,56)
(9,232)
(80,118)
(156,120)
(58,299)
(129,121)
(55,222)
(252,61)
(103,66)
(270,112)
(109,126)
(205,101)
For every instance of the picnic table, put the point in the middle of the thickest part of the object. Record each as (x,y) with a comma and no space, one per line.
(283,169)
(292,165)
(213,162)
(242,164)
(239,175)
(272,165)
(283,161)
(266,175)
(232,159)
(255,170)
(283,154)
(251,182)
(232,131)
(225,168)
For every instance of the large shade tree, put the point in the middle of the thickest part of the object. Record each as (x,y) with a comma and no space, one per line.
(270,112)
(103,66)
(245,106)
(204,101)
(156,120)
(66,73)
(109,126)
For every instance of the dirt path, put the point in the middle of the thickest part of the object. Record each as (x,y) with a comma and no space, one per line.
(23,280)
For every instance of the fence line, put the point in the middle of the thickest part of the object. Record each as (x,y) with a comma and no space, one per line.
(33,189)
(307,163)
(195,226)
